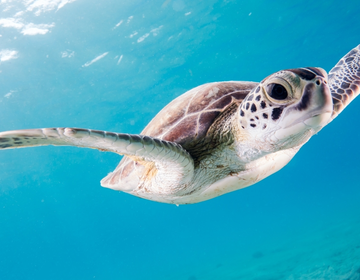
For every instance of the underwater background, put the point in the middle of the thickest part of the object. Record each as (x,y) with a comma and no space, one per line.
(112,65)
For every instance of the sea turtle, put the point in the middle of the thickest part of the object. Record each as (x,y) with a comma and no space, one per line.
(218,137)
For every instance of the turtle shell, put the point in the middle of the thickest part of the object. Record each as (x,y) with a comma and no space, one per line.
(186,120)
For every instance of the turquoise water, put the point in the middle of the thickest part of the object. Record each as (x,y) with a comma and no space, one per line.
(112,66)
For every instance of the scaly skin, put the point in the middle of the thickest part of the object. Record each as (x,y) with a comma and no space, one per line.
(239,133)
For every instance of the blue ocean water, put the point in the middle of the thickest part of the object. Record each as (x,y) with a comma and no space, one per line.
(112,65)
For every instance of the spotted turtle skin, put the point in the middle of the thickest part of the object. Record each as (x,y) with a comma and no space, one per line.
(216,138)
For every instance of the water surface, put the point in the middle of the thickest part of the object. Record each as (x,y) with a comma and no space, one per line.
(112,65)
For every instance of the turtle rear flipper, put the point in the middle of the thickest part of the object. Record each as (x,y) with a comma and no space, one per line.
(170,164)
(344,81)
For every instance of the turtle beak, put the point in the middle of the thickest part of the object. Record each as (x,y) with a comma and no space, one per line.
(315,107)
(321,107)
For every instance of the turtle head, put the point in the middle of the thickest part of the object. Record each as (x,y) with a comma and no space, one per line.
(286,109)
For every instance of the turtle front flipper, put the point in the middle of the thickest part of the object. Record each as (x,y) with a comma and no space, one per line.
(344,81)
(169,164)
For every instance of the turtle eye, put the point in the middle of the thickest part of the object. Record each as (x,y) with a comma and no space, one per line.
(276,91)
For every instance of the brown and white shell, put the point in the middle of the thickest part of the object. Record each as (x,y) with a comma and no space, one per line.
(186,120)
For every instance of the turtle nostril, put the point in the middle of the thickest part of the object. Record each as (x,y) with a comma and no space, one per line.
(318,82)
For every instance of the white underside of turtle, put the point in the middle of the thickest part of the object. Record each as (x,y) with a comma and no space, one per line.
(218,137)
